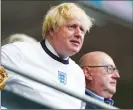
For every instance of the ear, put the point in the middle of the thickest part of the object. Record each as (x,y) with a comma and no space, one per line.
(51,32)
(88,73)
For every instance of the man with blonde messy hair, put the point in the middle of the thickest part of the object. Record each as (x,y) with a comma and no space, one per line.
(64,28)
(63,13)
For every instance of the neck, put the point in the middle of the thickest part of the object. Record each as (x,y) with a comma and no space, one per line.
(56,49)
(106,94)
(102,93)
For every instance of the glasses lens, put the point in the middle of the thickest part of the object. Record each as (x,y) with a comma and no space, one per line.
(112,69)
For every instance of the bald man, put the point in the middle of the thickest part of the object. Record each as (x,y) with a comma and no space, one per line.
(101,76)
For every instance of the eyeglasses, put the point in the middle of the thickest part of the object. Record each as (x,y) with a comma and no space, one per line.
(109,68)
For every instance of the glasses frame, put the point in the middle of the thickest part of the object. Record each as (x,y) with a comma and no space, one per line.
(109,68)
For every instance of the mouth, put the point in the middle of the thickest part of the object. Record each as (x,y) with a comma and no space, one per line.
(113,83)
(75,42)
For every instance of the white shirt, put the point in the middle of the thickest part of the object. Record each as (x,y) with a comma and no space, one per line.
(35,59)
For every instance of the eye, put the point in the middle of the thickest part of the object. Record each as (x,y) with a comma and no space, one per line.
(71,27)
(110,69)
(81,28)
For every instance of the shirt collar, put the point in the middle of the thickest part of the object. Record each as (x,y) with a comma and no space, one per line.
(52,53)
(111,102)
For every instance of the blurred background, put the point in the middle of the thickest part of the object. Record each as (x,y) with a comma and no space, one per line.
(112,33)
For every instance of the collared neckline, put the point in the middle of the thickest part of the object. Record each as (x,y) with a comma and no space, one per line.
(52,53)
(89,92)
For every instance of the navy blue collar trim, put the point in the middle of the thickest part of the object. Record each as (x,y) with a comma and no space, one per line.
(51,54)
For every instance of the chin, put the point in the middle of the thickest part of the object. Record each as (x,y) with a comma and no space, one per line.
(113,91)
(74,50)
(77,49)
(73,53)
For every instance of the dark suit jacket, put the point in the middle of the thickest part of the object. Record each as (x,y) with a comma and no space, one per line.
(91,106)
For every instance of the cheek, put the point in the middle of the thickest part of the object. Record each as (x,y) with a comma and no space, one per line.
(97,79)
(65,35)
(106,82)
(101,81)
(61,33)
(60,36)
(83,37)
(82,40)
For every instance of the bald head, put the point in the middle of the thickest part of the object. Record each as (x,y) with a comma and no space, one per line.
(99,80)
(95,58)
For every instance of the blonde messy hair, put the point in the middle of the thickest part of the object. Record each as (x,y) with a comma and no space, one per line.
(59,15)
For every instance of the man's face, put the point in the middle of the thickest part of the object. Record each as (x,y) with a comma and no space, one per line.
(105,80)
(68,39)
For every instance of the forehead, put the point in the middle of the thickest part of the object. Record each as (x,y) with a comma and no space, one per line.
(76,21)
(107,61)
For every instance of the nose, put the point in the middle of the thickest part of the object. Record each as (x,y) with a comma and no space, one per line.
(116,75)
(78,33)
